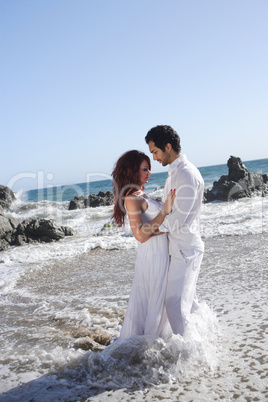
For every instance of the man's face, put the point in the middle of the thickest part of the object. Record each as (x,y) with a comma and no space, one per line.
(159,155)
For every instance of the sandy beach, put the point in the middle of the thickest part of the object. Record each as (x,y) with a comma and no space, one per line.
(88,295)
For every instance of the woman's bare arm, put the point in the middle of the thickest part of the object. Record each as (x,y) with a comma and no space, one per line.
(135,206)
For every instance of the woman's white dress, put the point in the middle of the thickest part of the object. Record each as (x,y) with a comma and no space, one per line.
(146,313)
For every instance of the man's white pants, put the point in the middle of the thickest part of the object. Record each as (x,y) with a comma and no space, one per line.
(181,298)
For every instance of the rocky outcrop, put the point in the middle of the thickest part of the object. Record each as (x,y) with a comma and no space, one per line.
(14,232)
(8,227)
(6,196)
(93,200)
(40,231)
(238,184)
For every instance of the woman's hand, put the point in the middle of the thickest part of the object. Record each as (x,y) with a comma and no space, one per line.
(169,202)
(143,231)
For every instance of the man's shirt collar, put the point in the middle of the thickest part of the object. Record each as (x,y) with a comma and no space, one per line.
(175,163)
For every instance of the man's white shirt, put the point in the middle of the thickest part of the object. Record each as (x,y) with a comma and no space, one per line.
(183,223)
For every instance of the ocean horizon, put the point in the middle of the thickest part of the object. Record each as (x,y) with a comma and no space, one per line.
(68,191)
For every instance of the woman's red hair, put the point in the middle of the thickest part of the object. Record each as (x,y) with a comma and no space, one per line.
(126,180)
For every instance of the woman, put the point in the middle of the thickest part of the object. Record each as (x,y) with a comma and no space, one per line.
(145,313)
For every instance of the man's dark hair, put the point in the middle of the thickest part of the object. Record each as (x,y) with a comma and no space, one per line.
(163,135)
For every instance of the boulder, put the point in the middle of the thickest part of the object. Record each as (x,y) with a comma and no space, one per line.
(237,170)
(7,229)
(40,230)
(6,196)
(238,184)
(14,232)
(68,231)
(101,199)
(93,200)
(78,203)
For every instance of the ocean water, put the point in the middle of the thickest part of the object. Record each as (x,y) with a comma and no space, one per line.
(60,300)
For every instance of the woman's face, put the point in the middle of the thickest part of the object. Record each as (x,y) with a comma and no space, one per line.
(144,172)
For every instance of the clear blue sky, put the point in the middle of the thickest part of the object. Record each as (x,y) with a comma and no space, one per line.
(82,81)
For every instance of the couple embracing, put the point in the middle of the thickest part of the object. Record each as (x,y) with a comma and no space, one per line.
(170,249)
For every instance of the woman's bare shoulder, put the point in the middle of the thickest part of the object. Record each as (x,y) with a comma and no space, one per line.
(135,202)
(133,199)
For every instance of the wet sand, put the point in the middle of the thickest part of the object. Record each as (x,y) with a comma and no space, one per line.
(233,282)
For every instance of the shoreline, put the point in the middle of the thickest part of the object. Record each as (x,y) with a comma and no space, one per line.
(233,284)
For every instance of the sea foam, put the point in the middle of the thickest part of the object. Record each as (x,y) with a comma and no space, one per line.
(143,360)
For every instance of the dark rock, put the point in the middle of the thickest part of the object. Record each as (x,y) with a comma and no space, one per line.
(38,228)
(13,232)
(238,184)
(41,231)
(14,222)
(102,199)
(93,200)
(237,170)
(5,225)
(78,203)
(265,178)
(6,196)
(7,228)
(68,231)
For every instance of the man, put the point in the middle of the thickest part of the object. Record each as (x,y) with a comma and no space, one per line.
(185,245)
